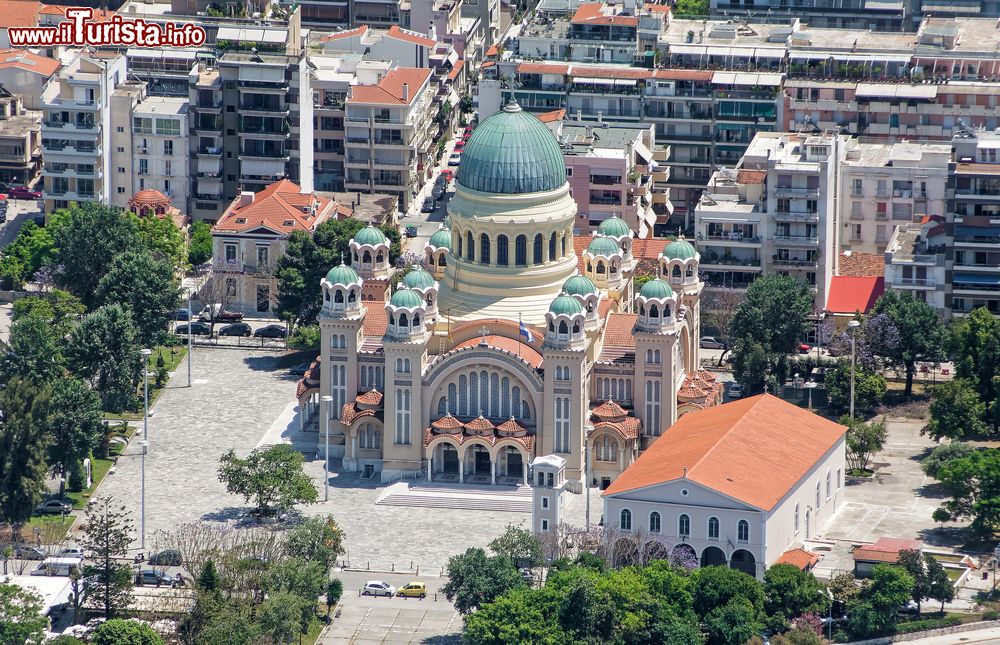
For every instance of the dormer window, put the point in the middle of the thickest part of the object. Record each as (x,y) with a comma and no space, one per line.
(288,222)
(241,220)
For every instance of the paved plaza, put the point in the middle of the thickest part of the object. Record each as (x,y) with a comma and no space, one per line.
(241,399)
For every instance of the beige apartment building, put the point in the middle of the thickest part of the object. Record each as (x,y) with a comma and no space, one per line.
(20,140)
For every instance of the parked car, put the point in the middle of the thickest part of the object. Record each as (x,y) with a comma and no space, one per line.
(735,390)
(709,342)
(71,552)
(300,369)
(217,313)
(460,145)
(53,507)
(441,181)
(154,578)
(804,348)
(23,192)
(413,590)
(25,552)
(378,588)
(197,329)
(455,159)
(428,205)
(181,314)
(437,193)
(56,566)
(166,558)
(271,331)
(448,174)
(236,329)
(411,231)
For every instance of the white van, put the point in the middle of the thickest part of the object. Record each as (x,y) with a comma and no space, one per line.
(58,567)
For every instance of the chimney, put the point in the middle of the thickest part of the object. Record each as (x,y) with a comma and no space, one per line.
(406,92)
(431,31)
(246,198)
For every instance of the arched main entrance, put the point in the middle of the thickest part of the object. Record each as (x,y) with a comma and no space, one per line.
(512,462)
(713,557)
(478,465)
(744,561)
(444,463)
(626,553)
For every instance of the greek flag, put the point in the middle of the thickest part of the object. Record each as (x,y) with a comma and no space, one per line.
(526,333)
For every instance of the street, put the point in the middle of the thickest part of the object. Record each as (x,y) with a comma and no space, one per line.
(18,212)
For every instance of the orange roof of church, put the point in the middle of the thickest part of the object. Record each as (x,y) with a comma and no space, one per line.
(150,197)
(376,320)
(372,397)
(608,410)
(480,424)
(711,447)
(527,352)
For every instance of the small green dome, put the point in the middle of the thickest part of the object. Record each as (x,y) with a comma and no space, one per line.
(565,304)
(579,285)
(371,236)
(342,274)
(512,152)
(679,249)
(418,279)
(406,298)
(441,239)
(603,246)
(658,289)
(614,227)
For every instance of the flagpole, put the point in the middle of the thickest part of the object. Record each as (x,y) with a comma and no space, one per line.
(519,327)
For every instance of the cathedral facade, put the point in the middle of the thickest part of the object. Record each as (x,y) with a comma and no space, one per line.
(514,339)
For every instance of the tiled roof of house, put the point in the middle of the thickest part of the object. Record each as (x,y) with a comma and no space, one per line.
(853,263)
(19,13)
(853,294)
(340,35)
(492,51)
(886,549)
(554,115)
(800,558)
(411,37)
(751,176)
(712,447)
(527,353)
(99,15)
(453,74)
(593,13)
(25,60)
(278,207)
(389,90)
(659,8)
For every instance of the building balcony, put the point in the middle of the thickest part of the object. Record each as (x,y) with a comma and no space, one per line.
(730,238)
(208,151)
(69,104)
(69,127)
(797,240)
(794,263)
(916,283)
(977,241)
(71,150)
(70,196)
(729,263)
(259,109)
(69,171)
(796,217)
(788,191)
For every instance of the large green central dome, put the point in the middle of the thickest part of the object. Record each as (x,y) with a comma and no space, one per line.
(512,152)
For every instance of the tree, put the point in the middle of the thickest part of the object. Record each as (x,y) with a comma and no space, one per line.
(104,350)
(107,536)
(272,477)
(75,424)
(912,562)
(161,237)
(718,310)
(60,309)
(974,484)
(200,250)
(519,545)
(869,387)
(713,587)
(921,335)
(34,350)
(863,441)
(303,578)
(144,285)
(23,443)
(791,592)
(939,585)
(784,303)
(691,8)
(21,618)
(334,590)
(874,607)
(475,579)
(87,238)
(957,411)
(942,454)
(798,636)
(733,623)
(317,539)
(282,615)
(515,617)
(975,347)
(308,258)
(208,579)
(843,587)
(125,632)
(32,249)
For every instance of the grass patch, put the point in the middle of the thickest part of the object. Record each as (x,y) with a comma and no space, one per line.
(52,528)
(860,472)
(98,469)
(172,357)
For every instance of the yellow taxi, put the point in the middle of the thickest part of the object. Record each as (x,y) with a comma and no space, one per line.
(413,590)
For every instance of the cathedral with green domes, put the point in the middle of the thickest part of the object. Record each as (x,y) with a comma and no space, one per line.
(515,339)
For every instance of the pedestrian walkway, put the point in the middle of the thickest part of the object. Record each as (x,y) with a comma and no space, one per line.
(493,498)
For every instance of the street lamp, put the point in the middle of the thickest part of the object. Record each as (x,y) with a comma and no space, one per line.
(190,321)
(810,385)
(326,448)
(829,619)
(145,442)
(853,326)
(586,470)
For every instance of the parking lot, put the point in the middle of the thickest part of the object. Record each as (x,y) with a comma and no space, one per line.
(220,339)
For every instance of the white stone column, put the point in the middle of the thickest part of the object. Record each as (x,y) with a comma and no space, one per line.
(430,464)
(461,468)
(354,446)
(493,472)
(524,471)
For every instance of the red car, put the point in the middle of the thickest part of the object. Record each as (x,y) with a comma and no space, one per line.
(459,145)
(448,174)
(23,192)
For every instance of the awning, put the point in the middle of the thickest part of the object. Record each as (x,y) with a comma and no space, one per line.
(609,82)
(978,278)
(625,82)
(210,166)
(688,50)
(644,152)
(262,168)
(261,73)
(884,5)
(173,54)
(892,90)
(970,8)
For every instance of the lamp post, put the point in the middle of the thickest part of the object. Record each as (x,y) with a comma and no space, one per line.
(853,326)
(144,443)
(810,385)
(829,618)
(189,337)
(326,447)
(819,336)
(586,472)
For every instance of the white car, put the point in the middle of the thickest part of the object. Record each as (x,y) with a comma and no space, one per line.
(378,588)
(709,342)
(455,159)
(735,390)
(71,552)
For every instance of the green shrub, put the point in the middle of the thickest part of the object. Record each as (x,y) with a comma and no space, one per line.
(991,614)
(927,623)
(200,250)
(305,337)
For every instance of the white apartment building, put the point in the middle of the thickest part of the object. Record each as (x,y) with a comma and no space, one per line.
(776,212)
(885,185)
(76,129)
(915,261)
(390,132)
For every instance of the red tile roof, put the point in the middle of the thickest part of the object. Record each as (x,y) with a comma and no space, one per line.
(372,397)
(279,208)
(99,15)
(511,428)
(851,295)
(800,558)
(389,91)
(479,425)
(492,51)
(627,428)
(20,13)
(618,334)
(751,176)
(710,447)
(340,35)
(350,413)
(447,424)
(609,410)
(543,68)
(453,74)
(549,117)
(411,37)
(861,264)
(376,320)
(24,60)
(592,13)
(886,549)
(683,74)
(527,442)
(515,347)
(659,8)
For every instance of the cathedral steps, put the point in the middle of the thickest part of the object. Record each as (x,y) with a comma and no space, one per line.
(505,499)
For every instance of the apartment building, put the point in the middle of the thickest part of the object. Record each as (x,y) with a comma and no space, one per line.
(26,74)
(390,133)
(76,129)
(776,212)
(331,81)
(883,185)
(610,173)
(916,262)
(974,204)
(20,140)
